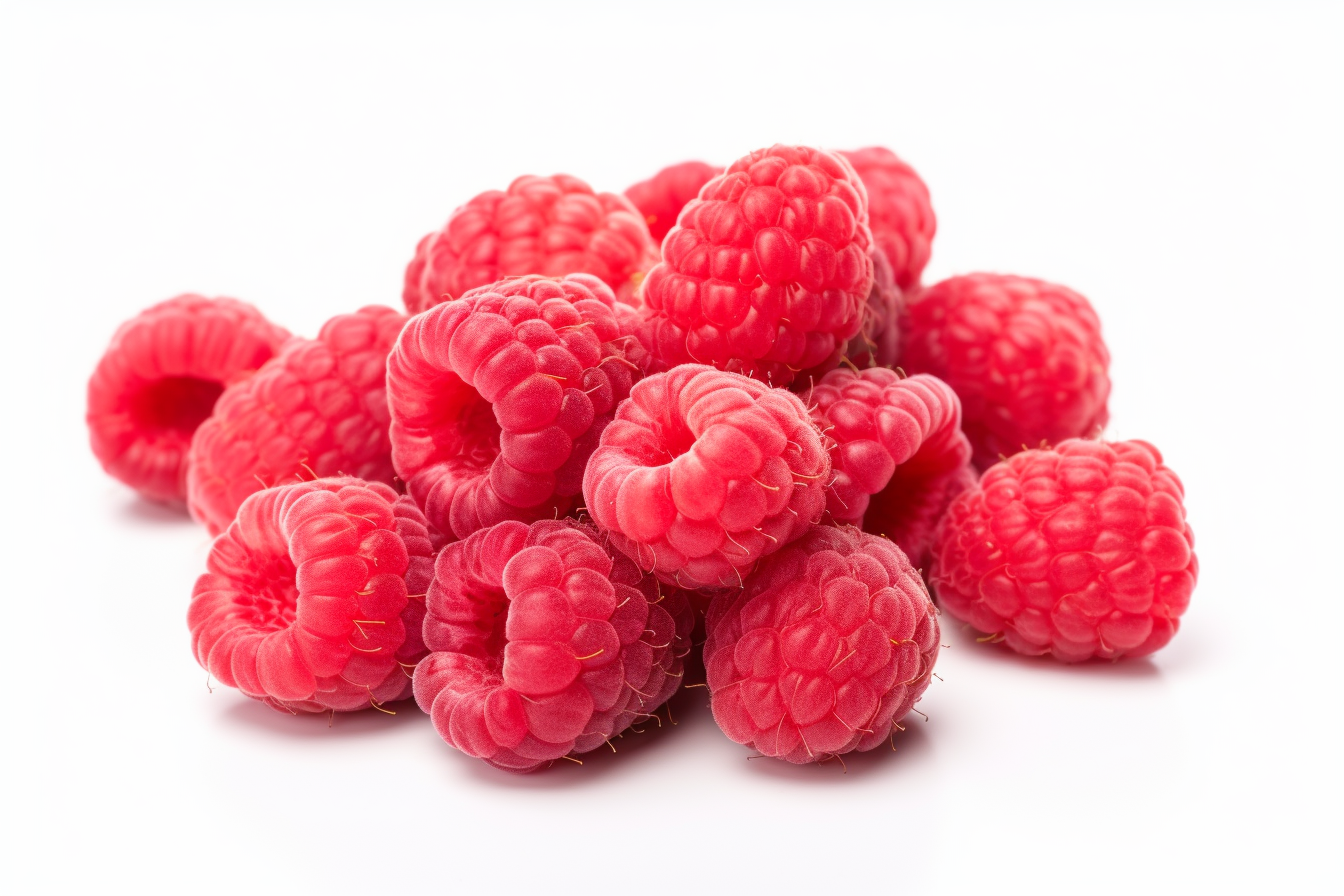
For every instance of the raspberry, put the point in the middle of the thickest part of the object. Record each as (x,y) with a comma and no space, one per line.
(499,397)
(544,644)
(1078,551)
(662,197)
(1025,357)
(317,409)
(829,645)
(900,214)
(879,341)
(767,272)
(703,472)
(541,225)
(159,379)
(314,598)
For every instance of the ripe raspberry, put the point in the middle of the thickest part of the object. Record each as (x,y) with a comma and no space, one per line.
(879,341)
(1080,551)
(898,452)
(766,273)
(314,598)
(703,472)
(319,408)
(544,645)
(900,214)
(1025,356)
(498,399)
(159,379)
(541,225)
(662,197)
(829,645)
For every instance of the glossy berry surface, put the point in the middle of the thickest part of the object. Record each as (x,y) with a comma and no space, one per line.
(899,212)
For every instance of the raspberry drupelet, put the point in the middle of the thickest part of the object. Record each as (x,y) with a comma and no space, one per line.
(661,198)
(544,644)
(1078,551)
(314,598)
(899,212)
(160,378)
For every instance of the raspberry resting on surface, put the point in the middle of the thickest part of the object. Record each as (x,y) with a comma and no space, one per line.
(899,212)
(661,198)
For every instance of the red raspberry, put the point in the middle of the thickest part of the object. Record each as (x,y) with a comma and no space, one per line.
(899,211)
(1025,357)
(541,225)
(1078,551)
(317,409)
(662,197)
(766,273)
(499,397)
(898,452)
(159,380)
(829,645)
(314,598)
(879,341)
(544,645)
(703,472)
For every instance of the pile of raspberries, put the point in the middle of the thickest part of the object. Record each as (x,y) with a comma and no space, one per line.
(713,429)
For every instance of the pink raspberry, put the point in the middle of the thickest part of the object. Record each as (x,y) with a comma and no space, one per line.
(544,644)
(499,397)
(315,596)
(829,645)
(319,408)
(1077,551)
(1025,356)
(703,472)
(662,197)
(767,272)
(159,380)
(900,214)
(541,225)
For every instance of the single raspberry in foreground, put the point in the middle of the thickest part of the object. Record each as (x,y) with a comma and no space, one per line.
(662,197)
(159,379)
(703,472)
(829,645)
(314,597)
(899,212)
(1078,551)
(543,644)
(317,409)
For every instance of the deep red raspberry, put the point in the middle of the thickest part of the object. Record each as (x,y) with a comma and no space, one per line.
(662,197)
(544,644)
(319,408)
(541,225)
(829,645)
(1078,551)
(899,211)
(703,472)
(499,397)
(315,596)
(1025,356)
(159,379)
(767,272)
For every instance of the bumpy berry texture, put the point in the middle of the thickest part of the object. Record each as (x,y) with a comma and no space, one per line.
(829,645)
(661,198)
(160,378)
(703,472)
(1026,358)
(767,271)
(899,211)
(498,399)
(540,225)
(878,343)
(314,598)
(1078,551)
(317,409)
(544,644)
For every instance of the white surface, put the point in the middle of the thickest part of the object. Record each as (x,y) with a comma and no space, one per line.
(1180,166)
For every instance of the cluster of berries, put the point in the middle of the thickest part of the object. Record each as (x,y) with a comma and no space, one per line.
(619,427)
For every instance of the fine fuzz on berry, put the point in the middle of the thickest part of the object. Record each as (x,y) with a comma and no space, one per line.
(829,645)
(662,197)
(314,597)
(159,379)
(1078,551)
(544,644)
(899,212)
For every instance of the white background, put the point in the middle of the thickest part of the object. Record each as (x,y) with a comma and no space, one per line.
(1179,165)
